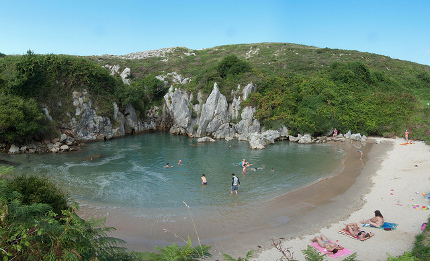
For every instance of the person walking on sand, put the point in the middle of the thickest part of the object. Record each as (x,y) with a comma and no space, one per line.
(376,221)
(204,181)
(325,243)
(235,183)
(407,136)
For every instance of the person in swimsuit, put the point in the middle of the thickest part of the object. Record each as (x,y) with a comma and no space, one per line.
(325,243)
(352,228)
(376,221)
(204,181)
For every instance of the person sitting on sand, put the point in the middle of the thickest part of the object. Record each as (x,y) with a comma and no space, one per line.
(204,181)
(376,221)
(325,243)
(352,229)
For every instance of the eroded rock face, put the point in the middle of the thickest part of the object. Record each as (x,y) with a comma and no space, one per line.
(214,113)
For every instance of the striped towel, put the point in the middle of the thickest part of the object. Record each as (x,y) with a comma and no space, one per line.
(346,233)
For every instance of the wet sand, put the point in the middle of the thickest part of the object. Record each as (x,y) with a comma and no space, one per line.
(288,216)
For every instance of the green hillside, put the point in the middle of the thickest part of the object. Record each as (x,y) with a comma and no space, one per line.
(308,89)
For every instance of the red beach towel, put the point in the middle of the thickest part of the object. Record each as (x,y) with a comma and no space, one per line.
(342,252)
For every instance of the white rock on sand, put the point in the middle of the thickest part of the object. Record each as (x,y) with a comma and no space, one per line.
(398,184)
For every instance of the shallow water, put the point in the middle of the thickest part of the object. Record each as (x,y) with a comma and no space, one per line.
(130,174)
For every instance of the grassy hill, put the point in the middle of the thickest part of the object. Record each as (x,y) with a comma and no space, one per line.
(305,88)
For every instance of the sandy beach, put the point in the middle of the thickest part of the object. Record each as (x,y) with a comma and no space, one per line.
(391,178)
(394,181)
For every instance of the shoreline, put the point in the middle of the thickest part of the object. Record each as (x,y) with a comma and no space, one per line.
(391,181)
(278,218)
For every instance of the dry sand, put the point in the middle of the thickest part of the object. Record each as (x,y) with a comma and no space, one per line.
(398,176)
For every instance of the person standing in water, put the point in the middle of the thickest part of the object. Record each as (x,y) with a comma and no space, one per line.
(204,181)
(361,154)
(235,183)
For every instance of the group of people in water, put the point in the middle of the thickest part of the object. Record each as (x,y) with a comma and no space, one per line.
(354,230)
(235,182)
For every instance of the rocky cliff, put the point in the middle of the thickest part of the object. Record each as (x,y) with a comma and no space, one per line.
(214,118)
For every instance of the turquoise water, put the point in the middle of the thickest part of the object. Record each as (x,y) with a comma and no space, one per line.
(131,174)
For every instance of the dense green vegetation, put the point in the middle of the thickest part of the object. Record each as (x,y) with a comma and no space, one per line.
(38,222)
(308,89)
(31,82)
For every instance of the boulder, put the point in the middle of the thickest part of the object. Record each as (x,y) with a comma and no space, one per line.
(257,141)
(247,90)
(64,148)
(225,131)
(283,131)
(214,113)
(347,135)
(205,139)
(13,149)
(355,136)
(178,106)
(293,139)
(305,139)
(124,76)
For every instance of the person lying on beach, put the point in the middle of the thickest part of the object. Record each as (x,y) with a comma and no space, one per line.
(352,229)
(325,243)
(376,221)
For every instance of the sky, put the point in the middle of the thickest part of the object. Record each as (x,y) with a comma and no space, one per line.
(398,29)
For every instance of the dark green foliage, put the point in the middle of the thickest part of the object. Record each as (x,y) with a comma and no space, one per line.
(351,97)
(175,252)
(231,65)
(2,55)
(20,118)
(35,189)
(311,253)
(30,230)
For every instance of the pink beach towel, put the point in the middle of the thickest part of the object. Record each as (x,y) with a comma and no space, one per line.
(342,252)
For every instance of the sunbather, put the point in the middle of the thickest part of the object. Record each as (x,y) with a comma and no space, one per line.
(376,221)
(325,243)
(352,228)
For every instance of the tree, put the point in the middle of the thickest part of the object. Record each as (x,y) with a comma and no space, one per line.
(19,118)
(231,65)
